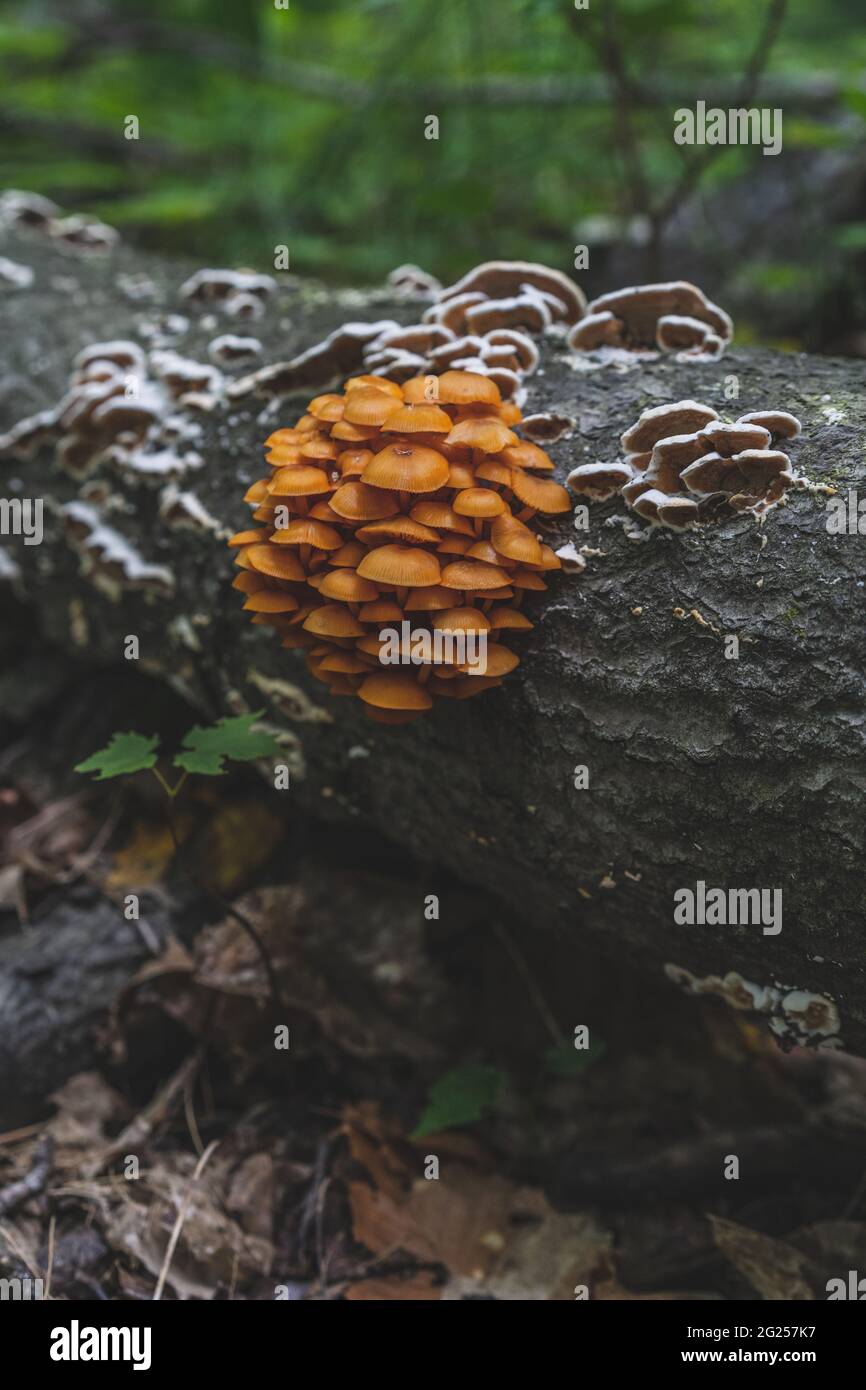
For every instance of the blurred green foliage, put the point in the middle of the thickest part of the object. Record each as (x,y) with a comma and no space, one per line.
(304,125)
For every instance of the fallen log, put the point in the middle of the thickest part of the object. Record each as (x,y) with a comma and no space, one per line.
(743,774)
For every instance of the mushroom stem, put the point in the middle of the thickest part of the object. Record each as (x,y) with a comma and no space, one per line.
(304,554)
(401,595)
(405,501)
(424,674)
(526,513)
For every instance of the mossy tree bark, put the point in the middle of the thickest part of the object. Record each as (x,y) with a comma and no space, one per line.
(740,773)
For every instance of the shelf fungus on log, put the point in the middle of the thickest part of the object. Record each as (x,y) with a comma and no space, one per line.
(671,317)
(483,324)
(392,540)
(684,466)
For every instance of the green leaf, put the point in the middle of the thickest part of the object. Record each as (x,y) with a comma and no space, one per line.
(125,753)
(205,748)
(569,1060)
(460,1098)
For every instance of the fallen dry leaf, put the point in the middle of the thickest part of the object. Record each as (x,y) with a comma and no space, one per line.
(212,1251)
(492,1235)
(774,1269)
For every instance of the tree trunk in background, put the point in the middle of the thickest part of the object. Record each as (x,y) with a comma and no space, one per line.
(744,773)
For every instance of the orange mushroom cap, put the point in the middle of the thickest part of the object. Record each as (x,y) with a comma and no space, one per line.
(502,618)
(479,502)
(427,600)
(407,468)
(540,493)
(247,582)
(352,553)
(304,480)
(484,550)
(356,501)
(328,407)
(526,455)
(492,471)
(352,462)
(381,610)
(316,446)
(424,417)
(467,388)
(473,574)
(484,433)
(515,541)
(306,530)
(346,663)
(333,620)
(257,492)
(279,564)
(353,434)
(441,516)
(461,620)
(369,405)
(454,545)
(380,383)
(347,586)
(394,690)
(398,528)
(526,579)
(271,601)
(249,537)
(500,660)
(400,567)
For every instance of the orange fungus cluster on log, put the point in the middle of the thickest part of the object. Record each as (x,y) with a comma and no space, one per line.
(393,539)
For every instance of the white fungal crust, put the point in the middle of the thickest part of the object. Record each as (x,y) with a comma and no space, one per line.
(14,276)
(504,281)
(237,293)
(32,212)
(183,511)
(674,316)
(122,409)
(482,324)
(411,282)
(110,560)
(795,1015)
(570,558)
(684,466)
(599,480)
(547,427)
(228,348)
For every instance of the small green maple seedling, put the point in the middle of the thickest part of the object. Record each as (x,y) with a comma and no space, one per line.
(205,751)
(124,754)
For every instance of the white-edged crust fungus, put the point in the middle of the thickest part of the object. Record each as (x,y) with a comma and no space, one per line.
(505,280)
(684,466)
(547,427)
(481,324)
(413,282)
(116,412)
(674,316)
(599,480)
(32,212)
(109,560)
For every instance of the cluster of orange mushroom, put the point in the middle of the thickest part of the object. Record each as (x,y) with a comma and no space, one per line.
(399,507)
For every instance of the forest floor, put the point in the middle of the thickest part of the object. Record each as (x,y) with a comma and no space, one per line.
(411,1119)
